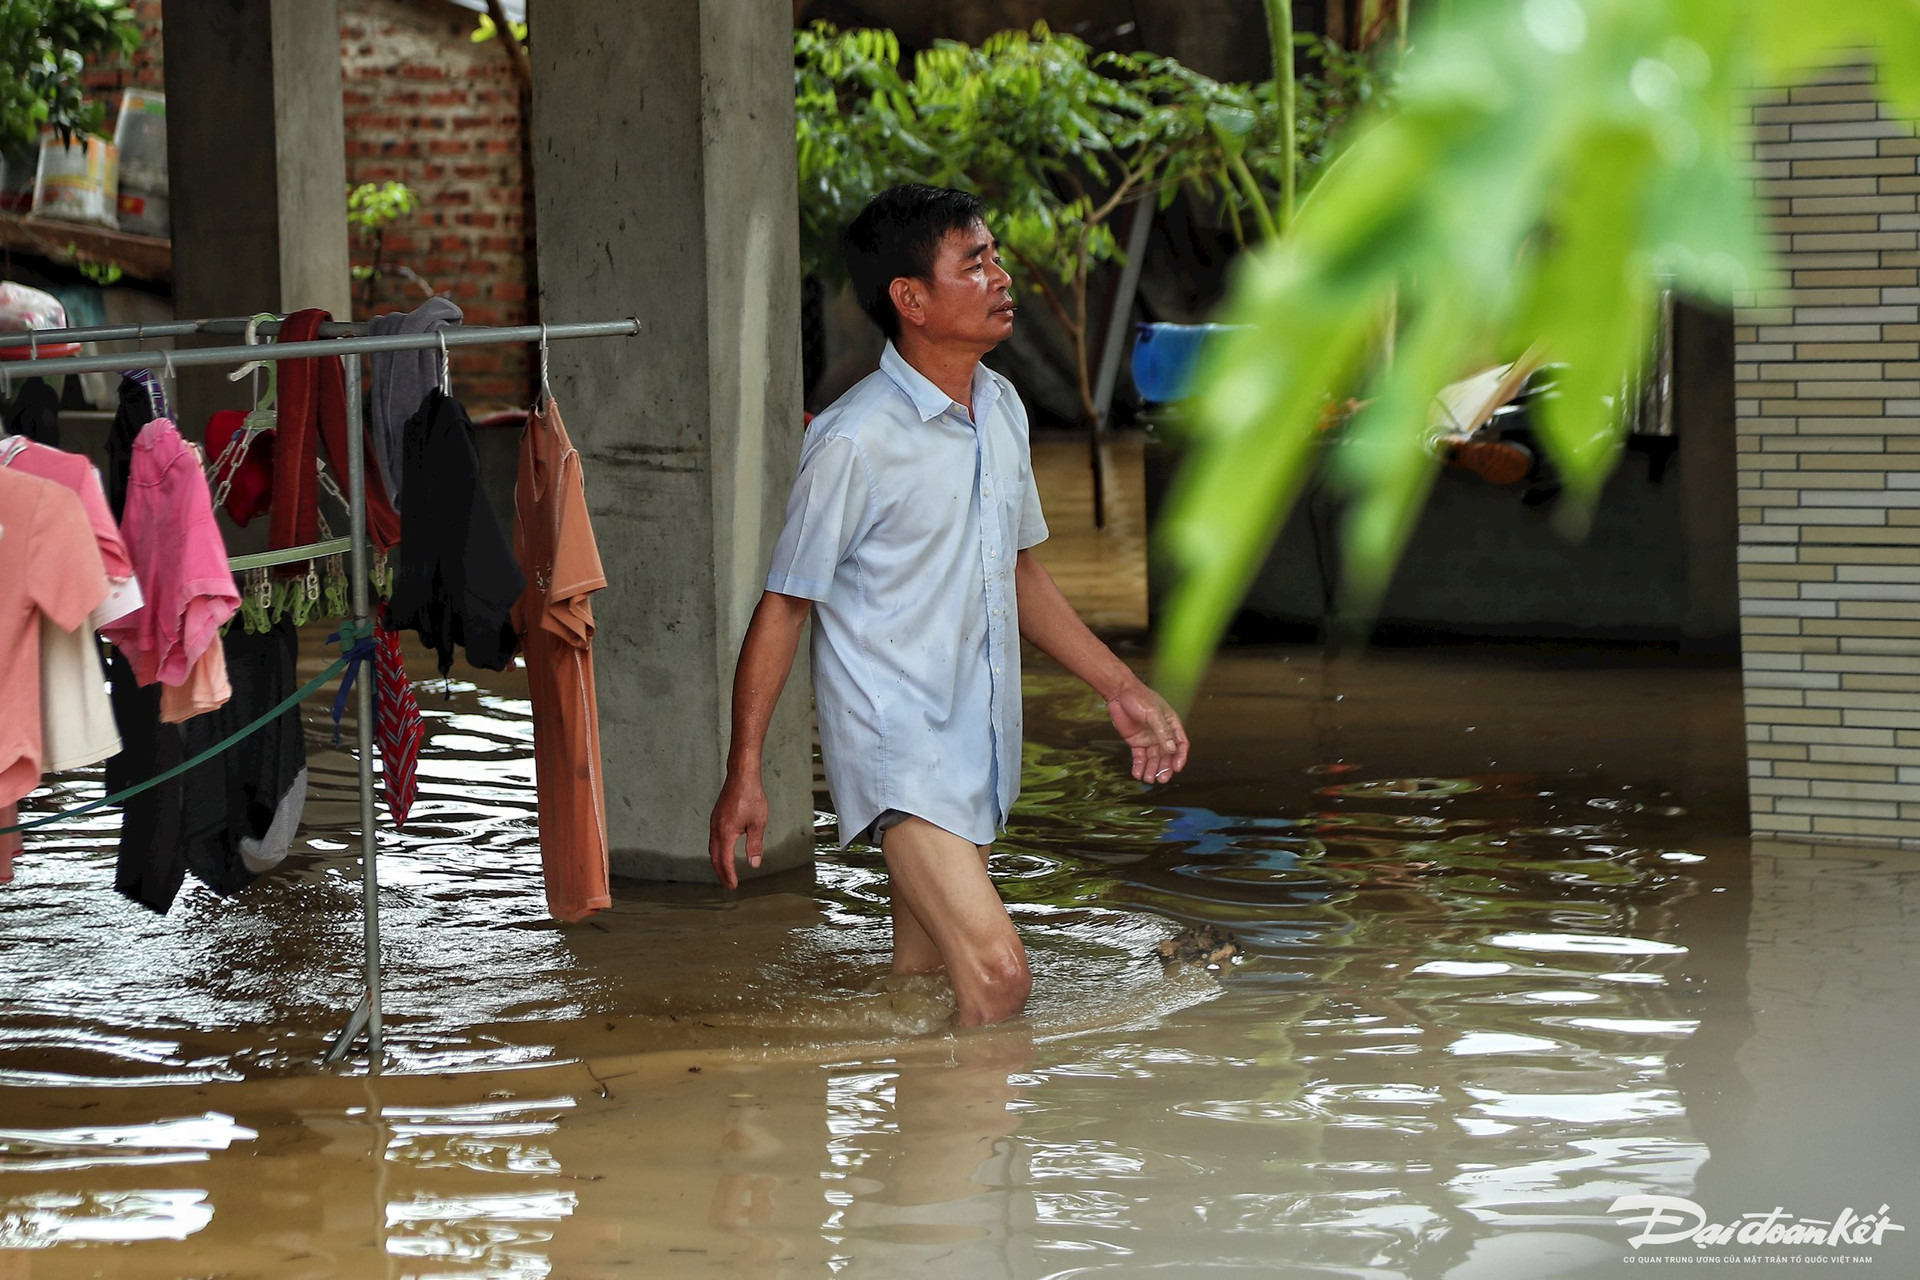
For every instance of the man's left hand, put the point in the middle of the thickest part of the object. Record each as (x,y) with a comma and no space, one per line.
(1152,729)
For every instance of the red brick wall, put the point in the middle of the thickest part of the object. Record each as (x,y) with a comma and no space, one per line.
(428,107)
(105,79)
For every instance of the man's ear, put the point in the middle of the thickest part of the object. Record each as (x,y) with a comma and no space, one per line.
(909,299)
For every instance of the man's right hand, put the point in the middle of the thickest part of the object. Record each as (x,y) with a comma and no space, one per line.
(741,810)
(766,656)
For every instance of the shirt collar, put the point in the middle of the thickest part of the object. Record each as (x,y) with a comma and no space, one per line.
(930,401)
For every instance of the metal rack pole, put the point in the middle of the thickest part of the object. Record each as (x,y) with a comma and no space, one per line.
(463,336)
(165,329)
(366,1016)
(362,611)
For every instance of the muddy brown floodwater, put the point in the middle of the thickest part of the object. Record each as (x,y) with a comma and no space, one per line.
(1507,958)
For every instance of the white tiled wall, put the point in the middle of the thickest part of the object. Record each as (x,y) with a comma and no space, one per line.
(1828,385)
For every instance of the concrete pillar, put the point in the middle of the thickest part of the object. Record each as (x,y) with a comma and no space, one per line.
(257,164)
(665,176)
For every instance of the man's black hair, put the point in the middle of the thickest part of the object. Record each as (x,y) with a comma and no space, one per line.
(899,234)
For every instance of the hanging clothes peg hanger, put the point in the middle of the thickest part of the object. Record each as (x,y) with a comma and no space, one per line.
(225,470)
(169,387)
(545,397)
(262,416)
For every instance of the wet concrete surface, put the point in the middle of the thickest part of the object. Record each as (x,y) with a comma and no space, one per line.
(1507,958)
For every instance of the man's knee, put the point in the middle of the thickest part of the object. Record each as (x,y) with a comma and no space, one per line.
(1007,982)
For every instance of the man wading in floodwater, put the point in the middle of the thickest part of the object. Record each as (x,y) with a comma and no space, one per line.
(909,528)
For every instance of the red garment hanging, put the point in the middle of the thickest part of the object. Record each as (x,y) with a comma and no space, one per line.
(398,725)
(312,394)
(247,474)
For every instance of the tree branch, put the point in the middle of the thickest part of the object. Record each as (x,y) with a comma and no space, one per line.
(1280,37)
(1039,276)
(1081,356)
(1120,193)
(522,68)
(1262,213)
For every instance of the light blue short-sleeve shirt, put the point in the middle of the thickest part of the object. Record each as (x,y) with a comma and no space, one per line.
(902,527)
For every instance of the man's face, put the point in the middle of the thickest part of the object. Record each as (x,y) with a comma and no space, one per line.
(969,299)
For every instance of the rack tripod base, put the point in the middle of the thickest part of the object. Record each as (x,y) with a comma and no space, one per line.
(362,1020)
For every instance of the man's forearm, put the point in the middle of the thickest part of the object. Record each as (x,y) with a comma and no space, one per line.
(766,659)
(1049,623)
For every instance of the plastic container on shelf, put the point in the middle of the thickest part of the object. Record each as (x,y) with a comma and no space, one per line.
(1165,357)
(140,137)
(23,308)
(145,214)
(77,182)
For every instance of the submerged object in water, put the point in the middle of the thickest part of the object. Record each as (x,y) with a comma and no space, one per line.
(1201,945)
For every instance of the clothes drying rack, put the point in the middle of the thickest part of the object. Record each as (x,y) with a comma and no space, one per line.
(338,339)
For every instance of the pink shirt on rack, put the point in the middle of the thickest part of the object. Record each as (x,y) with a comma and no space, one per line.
(49,567)
(180,558)
(77,474)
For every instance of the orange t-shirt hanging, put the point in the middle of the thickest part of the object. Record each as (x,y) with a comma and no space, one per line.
(553,540)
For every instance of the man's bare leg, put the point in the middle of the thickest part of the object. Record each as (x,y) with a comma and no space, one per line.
(913,948)
(914,951)
(940,884)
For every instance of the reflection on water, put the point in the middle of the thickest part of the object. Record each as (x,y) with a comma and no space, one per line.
(1477,1003)
(42,1220)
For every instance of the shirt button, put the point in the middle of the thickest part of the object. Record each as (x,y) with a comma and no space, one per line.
(987,493)
(994,554)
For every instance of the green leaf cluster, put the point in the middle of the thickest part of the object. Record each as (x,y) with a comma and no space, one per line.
(855,129)
(44,45)
(1047,130)
(100,273)
(373,205)
(1547,164)
(1055,136)
(487,29)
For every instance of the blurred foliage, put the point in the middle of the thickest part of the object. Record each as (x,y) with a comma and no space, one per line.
(1545,163)
(487,29)
(1056,137)
(98,272)
(44,45)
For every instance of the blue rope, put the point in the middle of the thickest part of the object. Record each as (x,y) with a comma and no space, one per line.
(353,631)
(355,653)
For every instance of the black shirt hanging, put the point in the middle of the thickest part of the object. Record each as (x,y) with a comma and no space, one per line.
(134,413)
(35,413)
(457,579)
(230,803)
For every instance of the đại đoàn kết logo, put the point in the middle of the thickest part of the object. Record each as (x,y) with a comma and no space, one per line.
(1670,1220)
